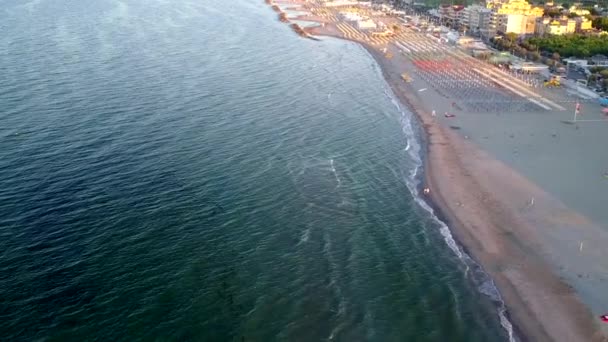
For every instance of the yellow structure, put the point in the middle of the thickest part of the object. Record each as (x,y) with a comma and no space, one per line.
(516,16)
(585,24)
(514,7)
(517,23)
(553,82)
(556,26)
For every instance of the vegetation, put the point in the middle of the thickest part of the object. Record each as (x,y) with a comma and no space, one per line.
(553,13)
(600,23)
(571,45)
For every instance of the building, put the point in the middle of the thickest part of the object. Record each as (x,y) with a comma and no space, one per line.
(515,23)
(507,7)
(349,16)
(366,24)
(583,24)
(478,19)
(514,16)
(339,3)
(529,67)
(557,27)
(578,11)
(451,14)
(599,60)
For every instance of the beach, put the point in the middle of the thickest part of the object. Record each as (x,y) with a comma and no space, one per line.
(465,183)
(526,239)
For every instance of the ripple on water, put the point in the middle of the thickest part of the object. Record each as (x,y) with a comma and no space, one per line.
(169,175)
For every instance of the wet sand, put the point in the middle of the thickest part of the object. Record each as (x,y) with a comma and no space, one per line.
(486,205)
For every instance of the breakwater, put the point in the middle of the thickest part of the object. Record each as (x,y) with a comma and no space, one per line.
(295,27)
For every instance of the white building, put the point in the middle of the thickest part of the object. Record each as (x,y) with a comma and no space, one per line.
(338,3)
(348,16)
(366,24)
(478,19)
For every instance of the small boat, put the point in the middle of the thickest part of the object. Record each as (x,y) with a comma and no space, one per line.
(604,318)
(449,115)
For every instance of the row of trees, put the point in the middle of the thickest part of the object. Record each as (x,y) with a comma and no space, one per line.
(524,49)
(529,50)
(571,45)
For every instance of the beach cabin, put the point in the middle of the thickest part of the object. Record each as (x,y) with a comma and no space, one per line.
(366,24)
(529,67)
(338,3)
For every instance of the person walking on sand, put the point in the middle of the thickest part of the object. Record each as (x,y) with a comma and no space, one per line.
(433,113)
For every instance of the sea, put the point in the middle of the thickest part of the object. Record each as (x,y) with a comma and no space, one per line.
(192,170)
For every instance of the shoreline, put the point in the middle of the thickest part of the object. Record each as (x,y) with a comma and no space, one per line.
(541,306)
(532,277)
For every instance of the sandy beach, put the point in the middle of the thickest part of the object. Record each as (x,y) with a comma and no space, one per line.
(467,186)
(530,242)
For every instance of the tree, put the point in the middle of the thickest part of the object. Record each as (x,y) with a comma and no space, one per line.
(566,5)
(595,69)
(600,23)
(570,45)
(556,56)
(553,12)
(592,78)
(511,37)
(533,55)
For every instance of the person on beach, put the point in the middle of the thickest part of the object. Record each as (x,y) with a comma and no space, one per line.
(433,113)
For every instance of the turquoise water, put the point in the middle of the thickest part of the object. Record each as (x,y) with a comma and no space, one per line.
(194,171)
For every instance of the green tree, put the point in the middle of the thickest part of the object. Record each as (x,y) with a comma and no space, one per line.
(533,55)
(600,23)
(511,37)
(592,78)
(570,45)
(556,56)
(552,12)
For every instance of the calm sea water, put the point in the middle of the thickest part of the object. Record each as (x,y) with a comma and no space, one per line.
(194,171)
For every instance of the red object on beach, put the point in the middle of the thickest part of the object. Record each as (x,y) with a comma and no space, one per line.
(604,318)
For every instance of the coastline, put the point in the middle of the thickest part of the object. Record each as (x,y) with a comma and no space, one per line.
(540,304)
(524,281)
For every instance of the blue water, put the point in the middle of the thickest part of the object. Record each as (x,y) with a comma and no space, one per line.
(194,171)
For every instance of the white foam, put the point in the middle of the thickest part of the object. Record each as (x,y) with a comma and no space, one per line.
(333,169)
(305,236)
(487,287)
